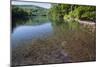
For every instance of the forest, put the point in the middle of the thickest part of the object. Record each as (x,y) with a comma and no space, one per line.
(22,11)
(72,12)
(65,12)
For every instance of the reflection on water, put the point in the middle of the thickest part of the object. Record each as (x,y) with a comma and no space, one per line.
(25,30)
(40,41)
(38,20)
(30,32)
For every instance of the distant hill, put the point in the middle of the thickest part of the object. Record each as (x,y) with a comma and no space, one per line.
(29,6)
(35,10)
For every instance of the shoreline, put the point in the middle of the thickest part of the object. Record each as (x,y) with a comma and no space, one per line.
(87,22)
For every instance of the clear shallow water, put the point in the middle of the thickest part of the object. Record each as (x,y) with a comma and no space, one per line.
(33,28)
(52,41)
(30,32)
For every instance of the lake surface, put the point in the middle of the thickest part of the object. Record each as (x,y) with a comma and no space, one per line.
(74,41)
(32,29)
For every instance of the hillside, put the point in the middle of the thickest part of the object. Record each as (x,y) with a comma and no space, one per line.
(32,9)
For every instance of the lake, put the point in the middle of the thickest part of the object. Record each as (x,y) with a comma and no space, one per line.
(38,40)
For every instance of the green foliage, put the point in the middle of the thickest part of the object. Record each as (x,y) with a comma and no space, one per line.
(27,12)
(21,11)
(57,11)
(70,12)
(84,13)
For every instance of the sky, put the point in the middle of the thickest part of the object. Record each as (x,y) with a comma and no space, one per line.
(44,5)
